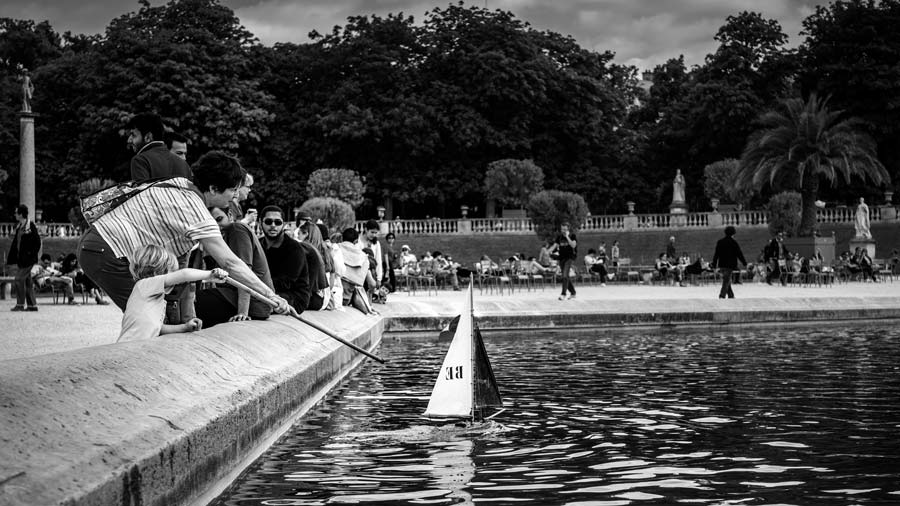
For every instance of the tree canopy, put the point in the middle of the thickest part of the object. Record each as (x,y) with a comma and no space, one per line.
(420,108)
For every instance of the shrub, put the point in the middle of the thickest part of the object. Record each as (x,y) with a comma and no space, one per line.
(342,184)
(513,182)
(336,215)
(784,213)
(718,182)
(550,208)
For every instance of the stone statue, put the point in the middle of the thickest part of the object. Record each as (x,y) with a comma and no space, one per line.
(27,91)
(678,188)
(862,220)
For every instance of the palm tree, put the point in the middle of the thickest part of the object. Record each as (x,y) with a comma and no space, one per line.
(800,142)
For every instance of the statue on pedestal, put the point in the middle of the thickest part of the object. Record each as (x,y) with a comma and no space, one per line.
(678,188)
(27,91)
(862,220)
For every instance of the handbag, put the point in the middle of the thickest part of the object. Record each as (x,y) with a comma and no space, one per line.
(97,204)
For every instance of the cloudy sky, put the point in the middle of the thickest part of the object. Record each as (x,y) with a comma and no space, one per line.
(643,33)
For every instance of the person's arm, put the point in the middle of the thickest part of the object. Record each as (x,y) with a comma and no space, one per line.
(216,248)
(241,243)
(379,270)
(191,325)
(301,285)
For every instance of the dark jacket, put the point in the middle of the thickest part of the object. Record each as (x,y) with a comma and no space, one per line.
(774,250)
(290,272)
(25,247)
(318,280)
(243,242)
(727,254)
(154,161)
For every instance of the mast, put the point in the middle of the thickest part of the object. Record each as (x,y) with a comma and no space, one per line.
(472,345)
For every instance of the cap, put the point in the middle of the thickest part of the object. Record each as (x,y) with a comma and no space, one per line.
(404,247)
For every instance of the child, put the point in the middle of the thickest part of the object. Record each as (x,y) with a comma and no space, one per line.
(156,271)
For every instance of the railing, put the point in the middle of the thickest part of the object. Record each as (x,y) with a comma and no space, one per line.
(45,229)
(599,223)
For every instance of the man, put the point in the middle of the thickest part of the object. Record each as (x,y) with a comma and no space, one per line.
(670,249)
(45,274)
(174,216)
(177,144)
(23,253)
(726,258)
(369,240)
(445,269)
(152,160)
(287,260)
(566,247)
(774,251)
(240,195)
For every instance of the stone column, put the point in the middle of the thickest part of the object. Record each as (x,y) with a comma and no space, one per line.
(26,162)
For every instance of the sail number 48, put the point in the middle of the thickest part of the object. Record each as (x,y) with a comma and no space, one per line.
(454,372)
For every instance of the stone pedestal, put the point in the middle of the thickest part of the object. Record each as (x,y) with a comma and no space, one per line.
(678,210)
(888,213)
(715,219)
(862,242)
(26,162)
(465,226)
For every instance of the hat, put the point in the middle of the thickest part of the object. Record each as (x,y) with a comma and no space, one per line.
(404,247)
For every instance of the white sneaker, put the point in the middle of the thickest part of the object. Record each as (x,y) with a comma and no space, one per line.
(562,297)
(571,297)
(602,284)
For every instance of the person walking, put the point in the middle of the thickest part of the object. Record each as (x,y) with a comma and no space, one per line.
(726,257)
(23,252)
(567,248)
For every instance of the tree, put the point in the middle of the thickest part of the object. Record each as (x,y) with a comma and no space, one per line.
(551,208)
(513,182)
(801,142)
(718,182)
(784,211)
(335,214)
(342,184)
(852,53)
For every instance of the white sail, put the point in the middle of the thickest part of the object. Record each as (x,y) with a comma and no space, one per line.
(452,394)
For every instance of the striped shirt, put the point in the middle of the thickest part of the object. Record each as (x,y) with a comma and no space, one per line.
(174,218)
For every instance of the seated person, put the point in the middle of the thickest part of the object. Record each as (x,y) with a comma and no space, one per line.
(356,272)
(70,268)
(697,268)
(44,274)
(866,266)
(286,260)
(445,270)
(596,265)
(663,267)
(309,235)
(532,266)
(409,264)
(225,303)
(489,267)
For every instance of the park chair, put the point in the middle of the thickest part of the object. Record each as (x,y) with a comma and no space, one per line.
(627,272)
(425,276)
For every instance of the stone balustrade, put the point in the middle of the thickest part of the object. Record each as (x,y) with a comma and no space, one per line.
(595,223)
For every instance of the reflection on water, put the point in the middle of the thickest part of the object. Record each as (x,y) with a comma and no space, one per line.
(764,416)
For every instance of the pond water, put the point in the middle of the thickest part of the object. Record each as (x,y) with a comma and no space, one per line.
(724,417)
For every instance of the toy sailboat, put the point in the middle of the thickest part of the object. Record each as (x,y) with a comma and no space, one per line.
(465,386)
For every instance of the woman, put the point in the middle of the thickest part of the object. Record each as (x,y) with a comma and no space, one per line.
(23,253)
(224,303)
(316,259)
(391,260)
(71,269)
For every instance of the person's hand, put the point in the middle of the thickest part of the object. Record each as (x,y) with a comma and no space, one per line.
(239,318)
(218,274)
(193,325)
(281,305)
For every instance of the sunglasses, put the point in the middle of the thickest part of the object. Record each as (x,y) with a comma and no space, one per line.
(276,222)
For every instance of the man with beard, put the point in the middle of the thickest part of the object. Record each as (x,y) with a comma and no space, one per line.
(152,159)
(287,260)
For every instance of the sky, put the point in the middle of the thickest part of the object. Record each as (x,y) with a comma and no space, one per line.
(643,33)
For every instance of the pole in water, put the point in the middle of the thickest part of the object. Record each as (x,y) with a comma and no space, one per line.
(254,293)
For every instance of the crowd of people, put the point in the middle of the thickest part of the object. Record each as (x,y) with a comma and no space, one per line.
(161,245)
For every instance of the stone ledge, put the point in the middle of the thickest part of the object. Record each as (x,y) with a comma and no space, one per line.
(158,422)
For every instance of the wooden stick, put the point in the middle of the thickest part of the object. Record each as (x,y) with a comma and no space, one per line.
(293,312)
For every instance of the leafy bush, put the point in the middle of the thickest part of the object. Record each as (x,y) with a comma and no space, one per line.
(336,215)
(513,182)
(342,184)
(784,213)
(718,182)
(550,208)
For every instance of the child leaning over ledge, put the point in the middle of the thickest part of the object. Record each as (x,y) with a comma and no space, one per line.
(155,271)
